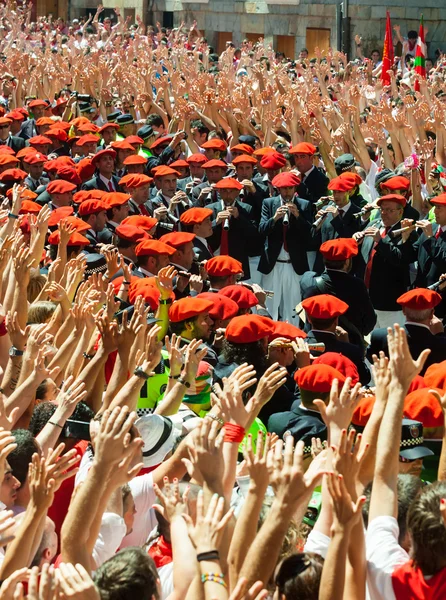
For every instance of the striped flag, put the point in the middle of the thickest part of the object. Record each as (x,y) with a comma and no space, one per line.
(387,52)
(420,54)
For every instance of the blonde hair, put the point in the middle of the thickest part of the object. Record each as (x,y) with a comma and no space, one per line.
(36,283)
(41,312)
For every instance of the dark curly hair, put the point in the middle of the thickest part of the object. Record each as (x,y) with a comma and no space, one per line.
(254,354)
(45,410)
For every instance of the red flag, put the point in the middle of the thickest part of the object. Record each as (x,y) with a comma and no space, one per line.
(420,55)
(387,52)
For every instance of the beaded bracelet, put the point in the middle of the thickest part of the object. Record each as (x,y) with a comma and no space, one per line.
(215,577)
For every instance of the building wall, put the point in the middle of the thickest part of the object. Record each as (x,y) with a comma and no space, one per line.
(221,20)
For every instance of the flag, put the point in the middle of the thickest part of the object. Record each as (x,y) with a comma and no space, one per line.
(387,62)
(420,55)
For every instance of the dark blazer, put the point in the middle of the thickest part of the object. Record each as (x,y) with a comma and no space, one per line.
(314,187)
(15,142)
(28,129)
(390,271)
(33,186)
(296,419)
(241,231)
(255,200)
(196,191)
(96,183)
(347,288)
(201,251)
(106,235)
(418,338)
(43,198)
(164,227)
(431,263)
(351,351)
(298,235)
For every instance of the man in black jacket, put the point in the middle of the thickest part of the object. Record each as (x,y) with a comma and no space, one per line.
(337,280)
(198,220)
(418,307)
(6,139)
(385,258)
(232,224)
(28,128)
(104,179)
(285,223)
(313,181)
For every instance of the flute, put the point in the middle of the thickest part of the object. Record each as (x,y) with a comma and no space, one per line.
(407,228)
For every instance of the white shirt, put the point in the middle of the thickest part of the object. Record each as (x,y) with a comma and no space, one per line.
(107,181)
(345,208)
(110,536)
(145,519)
(418,324)
(145,272)
(370,180)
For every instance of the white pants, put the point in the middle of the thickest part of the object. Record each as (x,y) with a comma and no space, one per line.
(256,276)
(388,318)
(284,282)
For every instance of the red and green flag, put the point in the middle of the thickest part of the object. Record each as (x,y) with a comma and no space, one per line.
(387,53)
(420,54)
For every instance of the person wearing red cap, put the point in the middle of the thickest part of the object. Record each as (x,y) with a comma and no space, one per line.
(384,259)
(233,225)
(29,128)
(94,213)
(60,192)
(152,256)
(189,318)
(35,164)
(183,261)
(337,279)
(423,329)
(322,313)
(117,205)
(431,251)
(314,182)
(104,179)
(14,142)
(138,186)
(285,223)
(198,220)
(196,172)
(168,203)
(204,193)
(223,271)
(270,165)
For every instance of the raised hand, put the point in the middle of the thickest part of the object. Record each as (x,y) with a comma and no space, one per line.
(209,527)
(75,582)
(164,281)
(256,463)
(339,412)
(403,367)
(173,347)
(172,503)
(348,458)
(206,453)
(346,513)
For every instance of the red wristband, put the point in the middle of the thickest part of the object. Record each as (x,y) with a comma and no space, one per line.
(234,433)
(3,330)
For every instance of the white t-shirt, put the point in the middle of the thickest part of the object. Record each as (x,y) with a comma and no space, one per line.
(110,537)
(384,556)
(145,520)
(370,180)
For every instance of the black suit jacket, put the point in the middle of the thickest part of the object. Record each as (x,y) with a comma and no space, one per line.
(297,420)
(15,142)
(390,271)
(28,129)
(349,289)
(298,235)
(314,187)
(96,183)
(418,338)
(33,186)
(201,251)
(431,263)
(240,233)
(351,351)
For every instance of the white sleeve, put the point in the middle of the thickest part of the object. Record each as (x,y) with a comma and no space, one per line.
(370,180)
(166,580)
(317,542)
(110,537)
(145,520)
(384,555)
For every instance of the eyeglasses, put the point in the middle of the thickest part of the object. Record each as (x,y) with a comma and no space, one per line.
(384,211)
(4,126)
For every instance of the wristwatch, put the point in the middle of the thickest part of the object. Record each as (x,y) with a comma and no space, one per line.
(140,373)
(13,351)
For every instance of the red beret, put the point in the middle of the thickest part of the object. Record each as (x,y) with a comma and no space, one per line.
(286,330)
(228,183)
(88,139)
(264,151)
(76,239)
(51,166)
(37,102)
(135,180)
(435,376)
(135,159)
(57,133)
(60,186)
(13,175)
(303,148)
(8,159)
(417,383)
(222,266)
(214,164)
(25,194)
(144,288)
(339,249)
(188,308)
(179,164)
(195,216)
(28,206)
(91,207)
(339,362)
(15,115)
(317,378)
(61,125)
(40,140)
(85,168)
(392,198)
(244,148)
(162,171)
(161,141)
(241,295)
(7,150)
(273,162)
(102,153)
(244,158)
(438,200)
(5,121)
(419,299)
(108,126)
(25,151)
(58,214)
(44,121)
(146,223)
(215,144)
(396,183)
(363,410)
(197,158)
(353,178)
(423,406)
(122,145)
(69,174)
(134,140)
(176,239)
(153,248)
(130,233)
(79,225)
(111,199)
(88,195)
(286,179)
(35,158)
(88,128)
(223,308)
(340,184)
(324,307)
(247,329)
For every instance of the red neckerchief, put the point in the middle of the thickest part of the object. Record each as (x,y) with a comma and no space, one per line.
(161,552)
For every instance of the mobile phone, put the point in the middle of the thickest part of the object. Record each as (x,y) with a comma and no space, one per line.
(79,430)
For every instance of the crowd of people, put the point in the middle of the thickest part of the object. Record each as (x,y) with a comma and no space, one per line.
(222,309)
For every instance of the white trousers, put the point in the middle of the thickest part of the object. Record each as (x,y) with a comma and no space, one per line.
(284,282)
(388,318)
(256,276)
